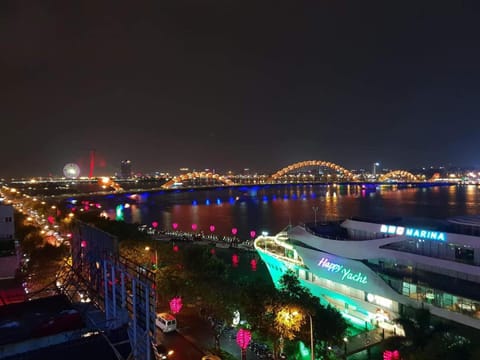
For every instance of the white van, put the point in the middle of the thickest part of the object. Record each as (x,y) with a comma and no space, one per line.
(166,322)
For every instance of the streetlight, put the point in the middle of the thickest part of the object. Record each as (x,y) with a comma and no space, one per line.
(345,340)
(147,248)
(312,355)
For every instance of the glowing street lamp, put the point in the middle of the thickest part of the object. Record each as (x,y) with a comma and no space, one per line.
(147,248)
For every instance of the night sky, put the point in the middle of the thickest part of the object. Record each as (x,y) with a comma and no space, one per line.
(228,85)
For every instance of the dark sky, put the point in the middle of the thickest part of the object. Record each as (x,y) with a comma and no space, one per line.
(235,84)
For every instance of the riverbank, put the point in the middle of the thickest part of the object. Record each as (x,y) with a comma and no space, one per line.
(199,238)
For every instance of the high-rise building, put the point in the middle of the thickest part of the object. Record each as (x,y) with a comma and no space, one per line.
(9,250)
(126,169)
(7,225)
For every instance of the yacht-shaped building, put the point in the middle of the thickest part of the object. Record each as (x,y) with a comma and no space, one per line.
(372,270)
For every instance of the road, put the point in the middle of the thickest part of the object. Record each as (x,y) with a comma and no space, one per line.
(194,338)
(183,348)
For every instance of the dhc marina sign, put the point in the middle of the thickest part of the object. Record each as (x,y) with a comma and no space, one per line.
(344,272)
(412,232)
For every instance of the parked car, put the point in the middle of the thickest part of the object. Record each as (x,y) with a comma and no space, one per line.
(166,322)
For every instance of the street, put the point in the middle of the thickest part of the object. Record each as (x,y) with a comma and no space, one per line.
(194,338)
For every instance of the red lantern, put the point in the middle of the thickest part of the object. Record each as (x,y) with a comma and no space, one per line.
(194,227)
(253,264)
(212,228)
(212,251)
(83,243)
(174,226)
(176,305)
(51,219)
(243,338)
(234,231)
(155,224)
(252,234)
(175,248)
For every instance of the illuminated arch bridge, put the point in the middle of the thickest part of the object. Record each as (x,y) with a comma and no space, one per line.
(177,180)
(401,175)
(344,173)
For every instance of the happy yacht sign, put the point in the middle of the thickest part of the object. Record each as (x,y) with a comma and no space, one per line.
(344,272)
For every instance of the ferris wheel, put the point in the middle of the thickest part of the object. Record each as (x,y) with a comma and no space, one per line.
(71,171)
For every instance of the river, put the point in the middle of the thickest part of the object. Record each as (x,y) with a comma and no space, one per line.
(271,208)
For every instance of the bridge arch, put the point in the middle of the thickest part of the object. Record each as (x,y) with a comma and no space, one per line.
(197,175)
(302,164)
(398,174)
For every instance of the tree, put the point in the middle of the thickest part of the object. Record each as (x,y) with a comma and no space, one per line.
(329,327)
(291,288)
(446,346)
(417,326)
(253,299)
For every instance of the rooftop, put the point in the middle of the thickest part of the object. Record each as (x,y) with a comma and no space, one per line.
(54,328)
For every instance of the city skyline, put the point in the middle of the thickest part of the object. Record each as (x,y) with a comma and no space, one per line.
(233,86)
(126,171)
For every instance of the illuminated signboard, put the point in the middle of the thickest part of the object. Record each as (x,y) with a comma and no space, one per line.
(344,272)
(412,232)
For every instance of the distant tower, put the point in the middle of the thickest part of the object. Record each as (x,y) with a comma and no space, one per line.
(92,163)
(126,169)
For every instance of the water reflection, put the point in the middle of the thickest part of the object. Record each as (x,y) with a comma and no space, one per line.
(271,208)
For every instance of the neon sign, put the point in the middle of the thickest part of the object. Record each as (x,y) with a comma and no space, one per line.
(344,272)
(412,232)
